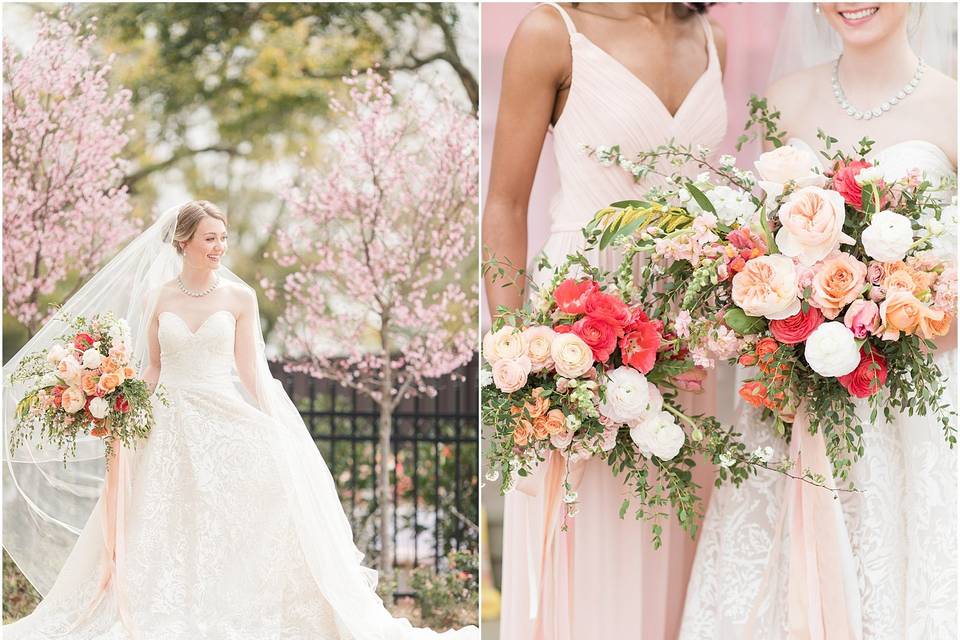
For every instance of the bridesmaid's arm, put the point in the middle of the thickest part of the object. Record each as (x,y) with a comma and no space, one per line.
(245,346)
(537,65)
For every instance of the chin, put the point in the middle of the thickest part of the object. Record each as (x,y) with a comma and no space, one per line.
(862,23)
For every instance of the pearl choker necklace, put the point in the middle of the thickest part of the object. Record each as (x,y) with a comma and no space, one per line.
(855,113)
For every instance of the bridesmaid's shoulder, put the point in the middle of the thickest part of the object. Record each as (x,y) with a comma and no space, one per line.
(543,26)
(719,38)
(540,47)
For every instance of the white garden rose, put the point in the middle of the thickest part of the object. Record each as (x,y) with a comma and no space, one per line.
(507,342)
(831,350)
(91,359)
(539,341)
(69,370)
(626,395)
(658,434)
(571,356)
(785,164)
(56,353)
(510,374)
(99,408)
(888,238)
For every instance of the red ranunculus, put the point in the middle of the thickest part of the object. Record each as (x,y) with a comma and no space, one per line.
(639,347)
(600,336)
(869,376)
(845,182)
(121,404)
(83,341)
(571,296)
(608,308)
(798,327)
(754,392)
(563,328)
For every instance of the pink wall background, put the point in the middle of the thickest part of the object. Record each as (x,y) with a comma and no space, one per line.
(752,31)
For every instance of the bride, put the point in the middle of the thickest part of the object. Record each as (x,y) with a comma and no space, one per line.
(225,523)
(899,531)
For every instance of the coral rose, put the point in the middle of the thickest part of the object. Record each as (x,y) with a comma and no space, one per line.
(88,382)
(599,334)
(796,328)
(845,182)
(767,286)
(555,421)
(571,296)
(109,365)
(838,281)
(812,220)
(538,405)
(121,404)
(900,311)
(869,376)
(608,308)
(754,392)
(522,430)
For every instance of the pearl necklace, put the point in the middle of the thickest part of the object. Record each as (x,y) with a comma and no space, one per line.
(198,294)
(856,114)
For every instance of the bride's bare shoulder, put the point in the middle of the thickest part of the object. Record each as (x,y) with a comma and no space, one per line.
(241,297)
(794,91)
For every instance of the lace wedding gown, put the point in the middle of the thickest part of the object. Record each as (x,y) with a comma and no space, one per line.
(902,526)
(211,547)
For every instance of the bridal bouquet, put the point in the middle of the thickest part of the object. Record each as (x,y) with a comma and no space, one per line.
(84,384)
(828,283)
(586,371)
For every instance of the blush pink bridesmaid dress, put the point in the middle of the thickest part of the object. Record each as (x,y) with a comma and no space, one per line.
(601,578)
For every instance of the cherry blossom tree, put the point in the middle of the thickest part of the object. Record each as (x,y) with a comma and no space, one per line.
(381,294)
(64,210)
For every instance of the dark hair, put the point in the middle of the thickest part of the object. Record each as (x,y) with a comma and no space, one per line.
(680,9)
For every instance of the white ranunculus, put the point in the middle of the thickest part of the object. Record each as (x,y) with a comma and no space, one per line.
(56,353)
(888,238)
(869,175)
(627,395)
(508,342)
(91,359)
(510,374)
(831,350)
(658,434)
(99,408)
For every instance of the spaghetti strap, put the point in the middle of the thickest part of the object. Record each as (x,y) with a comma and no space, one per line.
(571,28)
(708,31)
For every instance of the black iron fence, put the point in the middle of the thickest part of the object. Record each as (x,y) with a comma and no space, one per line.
(434,474)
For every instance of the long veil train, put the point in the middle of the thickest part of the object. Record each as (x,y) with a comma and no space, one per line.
(47,502)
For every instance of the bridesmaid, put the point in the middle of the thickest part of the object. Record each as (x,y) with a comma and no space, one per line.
(598,73)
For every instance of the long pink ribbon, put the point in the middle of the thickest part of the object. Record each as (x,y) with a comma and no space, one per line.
(551,594)
(821,595)
(113,538)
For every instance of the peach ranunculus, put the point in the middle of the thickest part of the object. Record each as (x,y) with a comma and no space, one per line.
(812,220)
(507,342)
(934,323)
(73,399)
(900,311)
(88,382)
(109,365)
(838,281)
(538,405)
(767,286)
(510,374)
(572,357)
(109,382)
(539,339)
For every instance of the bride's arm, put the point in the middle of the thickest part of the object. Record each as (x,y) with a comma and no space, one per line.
(245,347)
(152,373)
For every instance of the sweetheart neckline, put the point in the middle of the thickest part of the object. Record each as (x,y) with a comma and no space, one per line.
(202,324)
(882,150)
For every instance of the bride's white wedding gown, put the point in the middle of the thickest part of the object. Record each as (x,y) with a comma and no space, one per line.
(902,526)
(211,546)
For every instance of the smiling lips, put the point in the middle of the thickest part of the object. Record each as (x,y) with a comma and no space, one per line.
(858,16)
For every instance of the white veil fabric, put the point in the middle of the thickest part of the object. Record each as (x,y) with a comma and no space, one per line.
(47,502)
(806,40)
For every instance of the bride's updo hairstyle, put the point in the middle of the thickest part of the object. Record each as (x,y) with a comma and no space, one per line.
(189,217)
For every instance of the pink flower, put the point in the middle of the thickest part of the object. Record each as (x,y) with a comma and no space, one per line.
(608,308)
(510,374)
(837,281)
(845,182)
(691,380)
(812,220)
(875,272)
(562,439)
(767,287)
(599,334)
(945,291)
(682,324)
(571,296)
(862,317)
(798,327)
(639,347)
(539,341)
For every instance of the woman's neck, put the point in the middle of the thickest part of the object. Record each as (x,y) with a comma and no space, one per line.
(860,67)
(196,278)
(657,13)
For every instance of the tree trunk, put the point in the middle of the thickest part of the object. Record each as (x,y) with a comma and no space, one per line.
(384,499)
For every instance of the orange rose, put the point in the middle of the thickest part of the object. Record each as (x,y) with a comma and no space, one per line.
(838,281)
(754,392)
(900,311)
(128,372)
(765,349)
(88,382)
(899,280)
(522,430)
(109,382)
(540,428)
(538,406)
(556,422)
(108,365)
(934,323)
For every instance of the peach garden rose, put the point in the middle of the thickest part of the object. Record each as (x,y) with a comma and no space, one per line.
(812,220)
(767,286)
(838,281)
(899,312)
